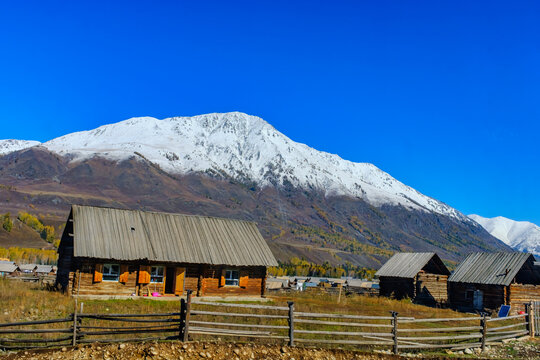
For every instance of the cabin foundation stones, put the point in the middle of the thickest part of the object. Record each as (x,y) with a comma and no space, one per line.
(106,251)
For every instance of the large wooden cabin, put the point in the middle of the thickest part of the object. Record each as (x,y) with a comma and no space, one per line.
(485,281)
(106,251)
(421,277)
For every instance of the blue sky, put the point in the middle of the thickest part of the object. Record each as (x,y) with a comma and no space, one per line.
(442,95)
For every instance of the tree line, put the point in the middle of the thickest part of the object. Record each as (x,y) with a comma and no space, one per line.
(301,267)
(29,256)
(46,232)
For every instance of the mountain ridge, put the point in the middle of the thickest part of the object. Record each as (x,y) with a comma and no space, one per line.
(310,219)
(520,235)
(245,147)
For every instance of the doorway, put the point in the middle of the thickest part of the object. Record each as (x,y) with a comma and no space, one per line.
(478,300)
(169,280)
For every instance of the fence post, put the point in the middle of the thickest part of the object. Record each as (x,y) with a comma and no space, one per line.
(528,318)
(395,332)
(74,340)
(291,322)
(532,315)
(483,324)
(184,316)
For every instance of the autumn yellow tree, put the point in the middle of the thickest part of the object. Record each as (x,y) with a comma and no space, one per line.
(7,223)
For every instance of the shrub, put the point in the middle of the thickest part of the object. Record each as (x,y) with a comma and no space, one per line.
(7,223)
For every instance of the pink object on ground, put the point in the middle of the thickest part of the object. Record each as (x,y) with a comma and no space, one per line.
(156,294)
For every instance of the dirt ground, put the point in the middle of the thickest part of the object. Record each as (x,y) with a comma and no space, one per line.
(199,351)
(526,350)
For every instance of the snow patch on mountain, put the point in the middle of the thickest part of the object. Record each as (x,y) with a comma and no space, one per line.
(246,148)
(521,235)
(11,145)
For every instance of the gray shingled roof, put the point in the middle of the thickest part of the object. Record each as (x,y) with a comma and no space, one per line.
(134,235)
(8,267)
(497,268)
(27,267)
(407,265)
(44,269)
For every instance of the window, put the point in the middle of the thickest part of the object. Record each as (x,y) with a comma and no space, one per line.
(156,274)
(231,277)
(469,294)
(111,272)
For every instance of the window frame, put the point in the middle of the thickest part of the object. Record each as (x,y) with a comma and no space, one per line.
(231,280)
(152,275)
(104,274)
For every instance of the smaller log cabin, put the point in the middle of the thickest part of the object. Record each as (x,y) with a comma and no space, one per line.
(421,277)
(485,281)
(9,268)
(105,251)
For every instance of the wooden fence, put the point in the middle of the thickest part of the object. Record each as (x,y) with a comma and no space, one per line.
(535,310)
(279,324)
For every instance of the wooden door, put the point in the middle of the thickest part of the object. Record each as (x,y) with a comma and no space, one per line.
(478,300)
(179,281)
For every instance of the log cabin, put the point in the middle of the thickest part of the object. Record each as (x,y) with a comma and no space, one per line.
(29,269)
(485,281)
(45,270)
(106,251)
(422,277)
(9,268)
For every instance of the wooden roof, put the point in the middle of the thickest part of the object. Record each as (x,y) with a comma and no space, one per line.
(8,267)
(27,267)
(108,233)
(44,268)
(407,265)
(498,268)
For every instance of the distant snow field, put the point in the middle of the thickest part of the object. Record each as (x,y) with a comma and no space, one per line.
(11,145)
(521,235)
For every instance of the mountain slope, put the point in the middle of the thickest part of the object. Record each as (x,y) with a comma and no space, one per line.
(521,235)
(245,148)
(307,203)
(11,145)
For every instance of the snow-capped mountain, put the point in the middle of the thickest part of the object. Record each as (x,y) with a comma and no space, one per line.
(11,145)
(244,147)
(186,165)
(521,235)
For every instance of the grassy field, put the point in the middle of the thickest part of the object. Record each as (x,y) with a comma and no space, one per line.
(21,301)
(26,301)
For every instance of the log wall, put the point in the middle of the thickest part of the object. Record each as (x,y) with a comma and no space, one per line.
(398,288)
(425,288)
(431,288)
(65,258)
(520,295)
(87,286)
(201,279)
(211,282)
(493,295)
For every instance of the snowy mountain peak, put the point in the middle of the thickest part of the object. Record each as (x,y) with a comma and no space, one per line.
(244,147)
(11,145)
(521,235)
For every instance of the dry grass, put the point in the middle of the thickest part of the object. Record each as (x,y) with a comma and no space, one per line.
(22,301)
(26,301)
(315,300)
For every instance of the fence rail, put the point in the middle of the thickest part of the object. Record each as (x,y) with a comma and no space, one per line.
(203,320)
